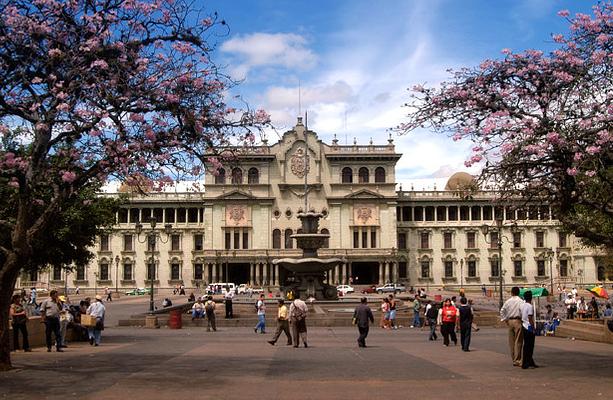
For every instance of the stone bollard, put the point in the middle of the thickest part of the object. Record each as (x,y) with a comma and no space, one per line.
(151,322)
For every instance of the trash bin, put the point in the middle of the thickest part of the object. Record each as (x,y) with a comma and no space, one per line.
(489,293)
(175,321)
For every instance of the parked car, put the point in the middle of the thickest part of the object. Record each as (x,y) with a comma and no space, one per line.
(370,289)
(392,288)
(344,289)
(243,288)
(138,292)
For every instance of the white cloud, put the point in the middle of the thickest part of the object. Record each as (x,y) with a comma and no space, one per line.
(269,49)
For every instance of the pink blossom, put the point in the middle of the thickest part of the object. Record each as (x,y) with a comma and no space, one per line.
(558,38)
(99,64)
(571,171)
(68,176)
(578,157)
(506,51)
(55,53)
(563,13)
(14,183)
(590,173)
(593,150)
(553,137)
(137,117)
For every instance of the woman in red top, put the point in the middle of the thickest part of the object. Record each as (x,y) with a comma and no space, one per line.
(449,320)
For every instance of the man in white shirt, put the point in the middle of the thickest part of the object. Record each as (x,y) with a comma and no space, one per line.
(297,313)
(228,300)
(511,314)
(528,328)
(96,310)
(261,310)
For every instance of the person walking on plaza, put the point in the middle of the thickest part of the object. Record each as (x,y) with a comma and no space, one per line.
(228,302)
(108,294)
(96,310)
(448,318)
(529,331)
(198,310)
(466,321)
(297,315)
(260,307)
(392,320)
(19,319)
(510,313)
(282,324)
(50,315)
(362,315)
(209,309)
(65,319)
(416,320)
(431,315)
(385,313)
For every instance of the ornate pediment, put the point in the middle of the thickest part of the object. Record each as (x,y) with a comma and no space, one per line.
(364,194)
(236,195)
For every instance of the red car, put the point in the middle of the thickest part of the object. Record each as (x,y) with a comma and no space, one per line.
(371,289)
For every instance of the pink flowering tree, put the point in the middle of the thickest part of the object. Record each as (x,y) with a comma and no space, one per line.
(92,90)
(541,123)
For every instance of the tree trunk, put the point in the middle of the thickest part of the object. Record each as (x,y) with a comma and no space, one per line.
(8,278)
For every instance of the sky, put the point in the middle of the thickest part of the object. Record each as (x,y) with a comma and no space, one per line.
(352,62)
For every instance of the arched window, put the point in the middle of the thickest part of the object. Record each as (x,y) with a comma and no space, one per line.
(289,244)
(326,244)
(380,175)
(220,178)
(363,175)
(347,175)
(237,176)
(276,239)
(253,176)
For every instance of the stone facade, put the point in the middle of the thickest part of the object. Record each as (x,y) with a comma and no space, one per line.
(232,231)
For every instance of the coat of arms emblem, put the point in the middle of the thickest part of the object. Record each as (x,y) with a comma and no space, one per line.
(299,163)
(364,214)
(236,213)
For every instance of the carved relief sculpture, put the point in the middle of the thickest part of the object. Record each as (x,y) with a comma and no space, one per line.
(236,215)
(297,163)
(365,214)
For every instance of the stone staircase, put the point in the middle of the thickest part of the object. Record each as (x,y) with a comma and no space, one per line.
(594,331)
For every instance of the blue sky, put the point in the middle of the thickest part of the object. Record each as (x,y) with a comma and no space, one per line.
(355,59)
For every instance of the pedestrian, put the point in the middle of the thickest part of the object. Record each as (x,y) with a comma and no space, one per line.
(182,290)
(50,315)
(510,313)
(198,310)
(209,309)
(77,290)
(297,315)
(571,306)
(529,331)
(228,302)
(65,320)
(431,315)
(448,319)
(593,308)
(108,294)
(362,315)
(166,302)
(192,297)
(466,321)
(19,319)
(608,312)
(483,290)
(33,297)
(392,319)
(416,320)
(282,324)
(96,310)
(260,307)
(385,313)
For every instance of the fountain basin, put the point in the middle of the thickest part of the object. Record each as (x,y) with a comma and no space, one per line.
(309,264)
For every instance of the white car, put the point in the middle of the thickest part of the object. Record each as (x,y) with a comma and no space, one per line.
(344,289)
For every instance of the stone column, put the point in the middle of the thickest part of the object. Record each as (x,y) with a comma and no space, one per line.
(276,267)
(206,273)
(214,277)
(335,277)
(387,271)
(257,273)
(395,271)
(380,273)
(349,271)
(265,274)
(251,273)
(344,274)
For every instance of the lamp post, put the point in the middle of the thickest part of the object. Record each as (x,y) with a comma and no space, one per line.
(117,259)
(95,283)
(486,229)
(550,254)
(151,240)
(461,274)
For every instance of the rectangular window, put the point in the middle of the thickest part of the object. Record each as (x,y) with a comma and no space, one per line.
(402,269)
(448,269)
(123,216)
(441,213)
(447,242)
(517,239)
(228,240)
(471,242)
(407,213)
(237,239)
(540,239)
(493,240)
(57,273)
(158,214)
(175,272)
(429,213)
(245,240)
(169,214)
(127,272)
(198,272)
(487,213)
(198,241)
(104,242)
(418,213)
(453,213)
(464,213)
(402,240)
(145,214)
(181,215)
(175,242)
(425,240)
(192,215)
(563,267)
(472,268)
(104,272)
(475,213)
(494,268)
(364,239)
(150,272)
(373,238)
(127,243)
(80,272)
(134,215)
(518,269)
(540,267)
(425,269)
(356,239)
(562,239)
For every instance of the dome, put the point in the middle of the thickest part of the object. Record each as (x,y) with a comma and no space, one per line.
(460,181)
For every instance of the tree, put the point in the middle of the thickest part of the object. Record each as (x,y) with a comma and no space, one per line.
(92,90)
(541,123)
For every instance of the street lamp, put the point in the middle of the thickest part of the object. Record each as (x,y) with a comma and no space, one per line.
(550,254)
(151,240)
(117,259)
(498,229)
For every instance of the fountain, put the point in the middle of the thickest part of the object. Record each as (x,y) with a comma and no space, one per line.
(309,270)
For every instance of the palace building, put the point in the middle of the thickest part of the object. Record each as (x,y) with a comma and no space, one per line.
(231,230)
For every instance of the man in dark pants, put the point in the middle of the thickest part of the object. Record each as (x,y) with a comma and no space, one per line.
(228,300)
(528,329)
(50,316)
(466,320)
(282,324)
(361,316)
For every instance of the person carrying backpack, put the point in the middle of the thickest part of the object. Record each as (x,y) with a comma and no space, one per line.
(209,309)
(431,314)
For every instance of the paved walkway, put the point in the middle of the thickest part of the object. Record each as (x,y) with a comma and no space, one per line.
(237,364)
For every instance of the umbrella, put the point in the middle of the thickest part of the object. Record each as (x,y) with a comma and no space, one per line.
(599,291)
(536,292)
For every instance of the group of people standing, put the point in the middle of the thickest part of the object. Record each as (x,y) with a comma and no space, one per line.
(294,318)
(518,314)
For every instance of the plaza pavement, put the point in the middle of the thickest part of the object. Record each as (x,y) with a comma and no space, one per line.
(233,363)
